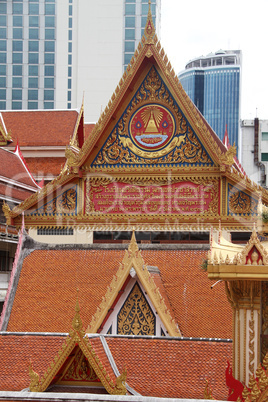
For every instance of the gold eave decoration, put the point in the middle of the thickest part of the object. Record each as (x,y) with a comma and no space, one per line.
(257,389)
(225,264)
(77,338)
(133,259)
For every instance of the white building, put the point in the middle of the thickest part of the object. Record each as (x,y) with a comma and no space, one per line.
(255,150)
(52,52)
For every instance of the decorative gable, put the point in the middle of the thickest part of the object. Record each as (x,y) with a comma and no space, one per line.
(152,131)
(79,362)
(133,304)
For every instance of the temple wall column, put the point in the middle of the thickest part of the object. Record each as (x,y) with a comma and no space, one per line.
(244,297)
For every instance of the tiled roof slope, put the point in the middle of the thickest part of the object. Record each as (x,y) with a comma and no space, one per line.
(41,128)
(12,167)
(155,367)
(173,368)
(16,352)
(48,281)
(13,192)
(46,166)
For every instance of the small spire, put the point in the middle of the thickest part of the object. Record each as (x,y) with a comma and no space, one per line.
(133,246)
(77,322)
(149,30)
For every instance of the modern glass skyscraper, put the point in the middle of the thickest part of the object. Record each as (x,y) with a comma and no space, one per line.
(54,51)
(213,84)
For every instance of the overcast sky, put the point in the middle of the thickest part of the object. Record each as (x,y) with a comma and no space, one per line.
(193,28)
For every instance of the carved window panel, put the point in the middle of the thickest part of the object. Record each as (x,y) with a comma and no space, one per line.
(134,313)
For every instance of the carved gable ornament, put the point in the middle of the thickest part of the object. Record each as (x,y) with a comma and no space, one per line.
(254,252)
(77,363)
(136,315)
(152,131)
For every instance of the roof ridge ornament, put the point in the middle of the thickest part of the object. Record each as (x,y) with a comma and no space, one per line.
(77,322)
(149,30)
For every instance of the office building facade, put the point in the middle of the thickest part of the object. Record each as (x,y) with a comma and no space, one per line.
(213,84)
(52,52)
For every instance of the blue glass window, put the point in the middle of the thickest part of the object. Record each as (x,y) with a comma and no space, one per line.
(70,10)
(3,8)
(32,94)
(2,82)
(3,20)
(50,9)
(3,58)
(70,47)
(33,9)
(49,71)
(33,46)
(33,58)
(3,70)
(17,82)
(69,83)
(130,22)
(130,34)
(69,106)
(33,82)
(48,94)
(69,71)
(17,21)
(32,105)
(69,96)
(69,59)
(145,9)
(143,21)
(2,94)
(33,71)
(129,46)
(50,46)
(70,22)
(49,82)
(33,21)
(16,105)
(49,58)
(17,45)
(33,33)
(127,58)
(130,9)
(70,35)
(17,8)
(49,33)
(2,105)
(3,45)
(48,105)
(50,22)
(130,1)
(3,33)
(16,94)
(17,70)
(17,33)
(17,58)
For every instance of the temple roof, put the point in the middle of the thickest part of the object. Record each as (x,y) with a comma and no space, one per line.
(155,367)
(59,270)
(41,128)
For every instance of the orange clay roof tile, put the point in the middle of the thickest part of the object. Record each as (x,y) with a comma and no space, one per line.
(45,166)
(172,368)
(40,128)
(198,310)
(155,367)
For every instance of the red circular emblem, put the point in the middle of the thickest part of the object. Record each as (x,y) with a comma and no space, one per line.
(152,127)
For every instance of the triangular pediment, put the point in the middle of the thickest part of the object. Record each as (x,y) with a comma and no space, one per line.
(141,310)
(152,131)
(80,361)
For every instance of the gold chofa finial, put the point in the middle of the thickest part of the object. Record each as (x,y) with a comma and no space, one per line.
(77,322)
(133,247)
(149,30)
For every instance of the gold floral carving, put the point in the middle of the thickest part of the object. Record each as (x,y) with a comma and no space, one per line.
(241,203)
(228,157)
(77,339)
(251,343)
(72,155)
(64,203)
(208,391)
(79,370)
(133,259)
(264,327)
(257,389)
(245,292)
(149,30)
(136,316)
